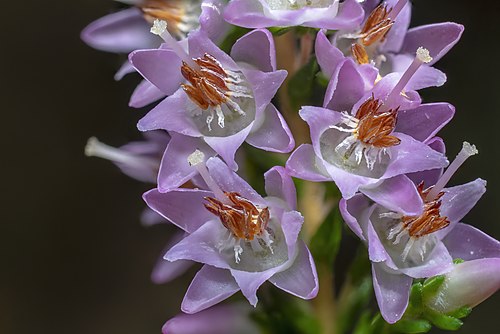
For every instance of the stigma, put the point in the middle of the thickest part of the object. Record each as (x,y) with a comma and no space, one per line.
(182,16)
(211,87)
(370,133)
(244,221)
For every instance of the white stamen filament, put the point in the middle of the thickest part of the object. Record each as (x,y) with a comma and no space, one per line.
(95,148)
(197,160)
(466,152)
(422,57)
(160,28)
(397,9)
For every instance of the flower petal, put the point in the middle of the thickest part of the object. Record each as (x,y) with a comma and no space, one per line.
(329,57)
(438,38)
(183,207)
(145,93)
(395,36)
(175,169)
(458,201)
(256,48)
(272,133)
(346,87)
(171,115)
(392,292)
(469,243)
(278,183)
(209,287)
(201,246)
(425,121)
(226,147)
(120,32)
(352,210)
(397,194)
(161,67)
(264,85)
(304,164)
(301,279)
(413,156)
(230,181)
(249,282)
(439,262)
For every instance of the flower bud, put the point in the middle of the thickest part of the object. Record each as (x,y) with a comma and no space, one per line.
(467,285)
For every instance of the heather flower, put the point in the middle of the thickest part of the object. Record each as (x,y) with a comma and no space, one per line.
(328,14)
(224,100)
(241,238)
(138,159)
(468,284)
(361,148)
(129,30)
(383,41)
(220,319)
(419,239)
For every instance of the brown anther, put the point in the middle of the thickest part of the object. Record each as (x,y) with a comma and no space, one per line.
(242,218)
(207,83)
(171,11)
(376,26)
(375,127)
(359,54)
(430,220)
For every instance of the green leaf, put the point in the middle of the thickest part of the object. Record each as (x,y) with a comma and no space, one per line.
(416,297)
(458,261)
(301,85)
(409,326)
(461,312)
(234,34)
(443,321)
(431,285)
(326,242)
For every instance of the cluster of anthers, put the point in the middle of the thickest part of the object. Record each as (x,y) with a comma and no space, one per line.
(371,133)
(181,15)
(211,86)
(243,220)
(417,227)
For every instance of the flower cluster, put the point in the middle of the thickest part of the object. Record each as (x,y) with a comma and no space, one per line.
(211,69)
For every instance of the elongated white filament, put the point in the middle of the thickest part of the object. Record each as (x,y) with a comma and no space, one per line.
(197,160)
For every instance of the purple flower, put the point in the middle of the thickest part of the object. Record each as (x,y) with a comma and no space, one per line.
(420,238)
(384,41)
(369,144)
(220,319)
(469,283)
(328,14)
(129,30)
(241,238)
(223,100)
(139,159)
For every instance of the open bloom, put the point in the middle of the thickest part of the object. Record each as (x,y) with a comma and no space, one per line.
(384,42)
(359,149)
(223,100)
(417,240)
(129,30)
(241,238)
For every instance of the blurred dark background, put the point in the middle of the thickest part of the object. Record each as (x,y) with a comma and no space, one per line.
(74,257)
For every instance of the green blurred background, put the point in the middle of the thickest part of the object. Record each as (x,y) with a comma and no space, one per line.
(74,257)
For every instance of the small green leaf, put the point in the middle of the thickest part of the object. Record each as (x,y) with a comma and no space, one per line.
(443,321)
(461,312)
(431,285)
(409,326)
(458,261)
(415,302)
